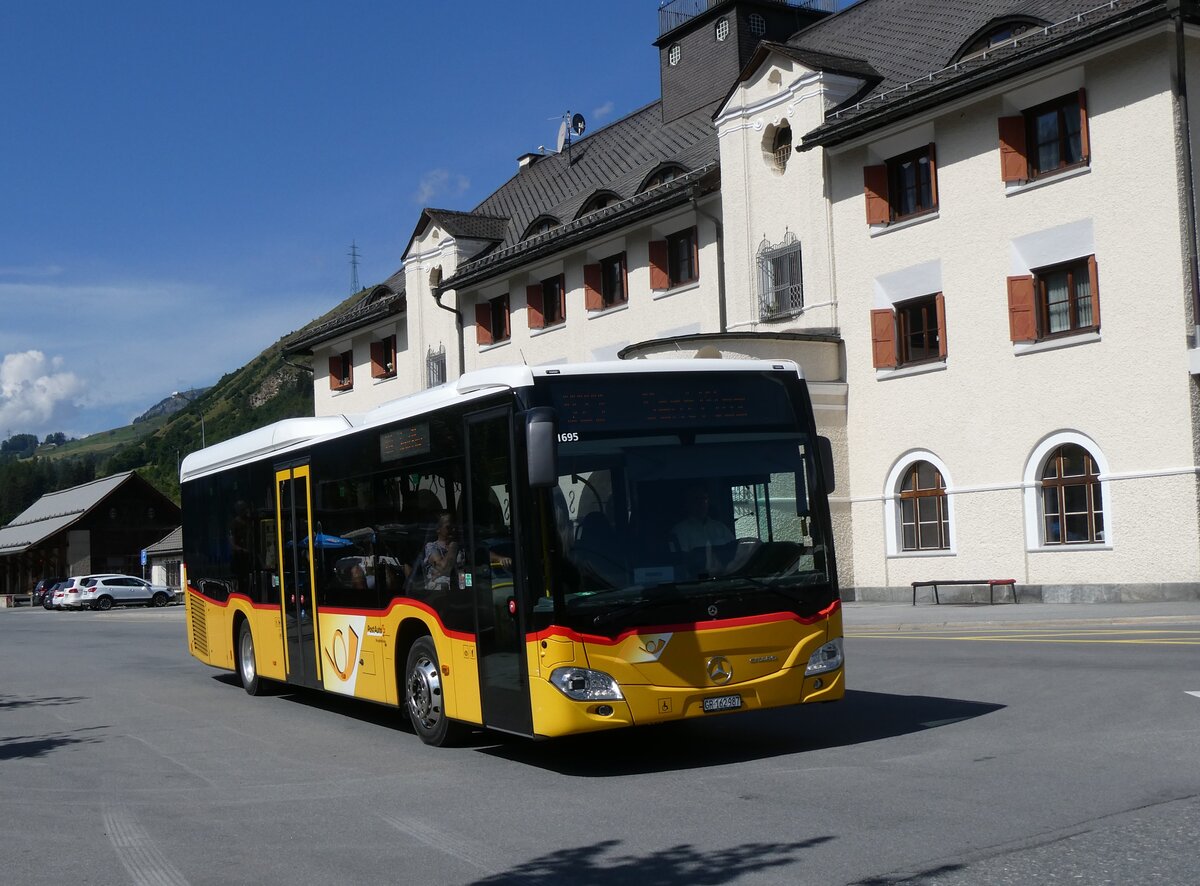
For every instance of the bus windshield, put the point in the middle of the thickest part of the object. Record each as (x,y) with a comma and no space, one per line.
(676,519)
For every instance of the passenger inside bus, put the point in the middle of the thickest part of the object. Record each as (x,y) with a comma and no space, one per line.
(708,543)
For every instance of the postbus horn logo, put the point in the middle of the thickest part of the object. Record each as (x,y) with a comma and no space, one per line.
(342,653)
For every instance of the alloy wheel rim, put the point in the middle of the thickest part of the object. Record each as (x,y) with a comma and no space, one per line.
(247,657)
(425,692)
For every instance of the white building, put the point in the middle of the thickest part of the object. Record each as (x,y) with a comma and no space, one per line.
(924,202)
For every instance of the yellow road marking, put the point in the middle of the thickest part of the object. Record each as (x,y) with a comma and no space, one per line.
(1126,637)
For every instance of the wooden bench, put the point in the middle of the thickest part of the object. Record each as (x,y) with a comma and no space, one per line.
(990,582)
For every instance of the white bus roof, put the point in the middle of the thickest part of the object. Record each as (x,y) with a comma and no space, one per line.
(293,433)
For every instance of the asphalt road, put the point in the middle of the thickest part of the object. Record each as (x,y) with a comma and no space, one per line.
(974,747)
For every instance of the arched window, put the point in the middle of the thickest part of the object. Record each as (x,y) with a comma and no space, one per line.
(598,201)
(995,33)
(722,30)
(924,525)
(673,54)
(758,24)
(1072,500)
(662,175)
(541,225)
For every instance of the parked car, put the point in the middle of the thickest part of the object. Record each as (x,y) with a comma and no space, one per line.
(72,589)
(40,589)
(48,596)
(106,591)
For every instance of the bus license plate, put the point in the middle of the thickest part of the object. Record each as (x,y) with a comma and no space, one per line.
(722,703)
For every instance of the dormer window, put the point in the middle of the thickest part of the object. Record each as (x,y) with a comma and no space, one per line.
(663,175)
(599,201)
(994,35)
(541,225)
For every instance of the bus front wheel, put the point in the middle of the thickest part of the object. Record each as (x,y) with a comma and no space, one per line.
(247,666)
(423,695)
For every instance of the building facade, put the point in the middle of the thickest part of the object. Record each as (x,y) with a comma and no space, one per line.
(972,222)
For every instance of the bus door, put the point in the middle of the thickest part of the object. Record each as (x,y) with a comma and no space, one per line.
(292,508)
(493,573)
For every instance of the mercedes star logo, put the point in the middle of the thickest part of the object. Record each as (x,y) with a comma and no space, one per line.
(719,669)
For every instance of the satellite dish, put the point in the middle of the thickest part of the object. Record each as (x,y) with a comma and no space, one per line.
(562,136)
(578,124)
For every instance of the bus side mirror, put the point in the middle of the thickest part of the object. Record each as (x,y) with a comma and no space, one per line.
(825,448)
(540,440)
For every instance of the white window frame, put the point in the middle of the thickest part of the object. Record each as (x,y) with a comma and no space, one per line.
(891,510)
(1033,494)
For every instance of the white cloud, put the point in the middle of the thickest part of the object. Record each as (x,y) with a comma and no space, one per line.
(437,182)
(603,112)
(85,358)
(36,396)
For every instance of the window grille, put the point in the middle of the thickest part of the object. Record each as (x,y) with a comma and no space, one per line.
(781,287)
(435,367)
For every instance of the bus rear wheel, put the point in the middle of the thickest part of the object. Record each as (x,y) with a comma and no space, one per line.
(247,665)
(423,695)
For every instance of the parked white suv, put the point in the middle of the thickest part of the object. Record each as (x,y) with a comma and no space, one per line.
(68,596)
(108,591)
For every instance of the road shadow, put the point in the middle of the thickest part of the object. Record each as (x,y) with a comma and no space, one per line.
(696,744)
(593,865)
(12,702)
(685,744)
(28,747)
(911,879)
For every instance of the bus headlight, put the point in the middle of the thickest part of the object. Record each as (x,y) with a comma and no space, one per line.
(583,684)
(827,658)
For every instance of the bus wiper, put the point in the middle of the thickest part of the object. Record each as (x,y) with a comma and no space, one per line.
(759,585)
(659,599)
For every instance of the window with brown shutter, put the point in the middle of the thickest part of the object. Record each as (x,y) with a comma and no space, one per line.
(659,279)
(875,182)
(1067,299)
(554,300)
(883,338)
(483,324)
(383,357)
(491,321)
(1022,309)
(1055,301)
(614,280)
(683,258)
(341,371)
(593,297)
(920,330)
(903,187)
(1046,139)
(533,297)
(1014,167)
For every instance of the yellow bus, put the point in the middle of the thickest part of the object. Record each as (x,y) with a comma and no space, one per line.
(537,550)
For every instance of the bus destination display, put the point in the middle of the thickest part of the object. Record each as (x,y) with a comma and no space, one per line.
(594,407)
(403,442)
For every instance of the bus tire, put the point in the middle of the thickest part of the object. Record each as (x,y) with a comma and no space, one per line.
(423,695)
(247,665)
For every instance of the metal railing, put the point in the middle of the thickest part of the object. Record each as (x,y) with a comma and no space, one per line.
(674,13)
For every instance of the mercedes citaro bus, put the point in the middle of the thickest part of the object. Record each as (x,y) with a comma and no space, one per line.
(538,550)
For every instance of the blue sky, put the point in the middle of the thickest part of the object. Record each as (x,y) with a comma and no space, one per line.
(182,181)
